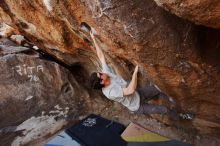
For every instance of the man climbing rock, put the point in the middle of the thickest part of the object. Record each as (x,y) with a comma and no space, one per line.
(117,89)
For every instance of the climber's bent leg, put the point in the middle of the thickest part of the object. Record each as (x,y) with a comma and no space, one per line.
(157,109)
(152,109)
(148,92)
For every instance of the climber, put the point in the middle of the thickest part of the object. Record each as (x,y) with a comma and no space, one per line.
(117,89)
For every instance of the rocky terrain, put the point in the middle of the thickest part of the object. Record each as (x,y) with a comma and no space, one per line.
(44,74)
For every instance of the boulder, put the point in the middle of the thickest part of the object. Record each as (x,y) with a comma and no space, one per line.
(201,12)
(38,97)
(177,55)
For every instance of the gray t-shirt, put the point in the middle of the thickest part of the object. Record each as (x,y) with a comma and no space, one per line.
(114,91)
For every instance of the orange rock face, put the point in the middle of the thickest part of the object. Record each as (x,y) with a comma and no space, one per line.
(203,12)
(178,56)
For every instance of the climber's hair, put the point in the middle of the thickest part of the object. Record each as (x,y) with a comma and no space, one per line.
(95,81)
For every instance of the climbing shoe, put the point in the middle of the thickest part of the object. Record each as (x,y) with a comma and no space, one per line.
(186,116)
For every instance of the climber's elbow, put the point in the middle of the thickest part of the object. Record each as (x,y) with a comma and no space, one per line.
(128,91)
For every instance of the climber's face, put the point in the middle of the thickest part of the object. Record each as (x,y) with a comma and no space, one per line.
(104,77)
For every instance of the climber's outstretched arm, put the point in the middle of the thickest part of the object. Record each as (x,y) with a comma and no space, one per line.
(132,85)
(98,49)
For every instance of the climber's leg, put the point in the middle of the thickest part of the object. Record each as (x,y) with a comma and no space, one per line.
(148,92)
(157,109)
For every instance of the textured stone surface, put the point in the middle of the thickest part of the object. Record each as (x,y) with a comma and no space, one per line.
(38,97)
(178,56)
(203,12)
